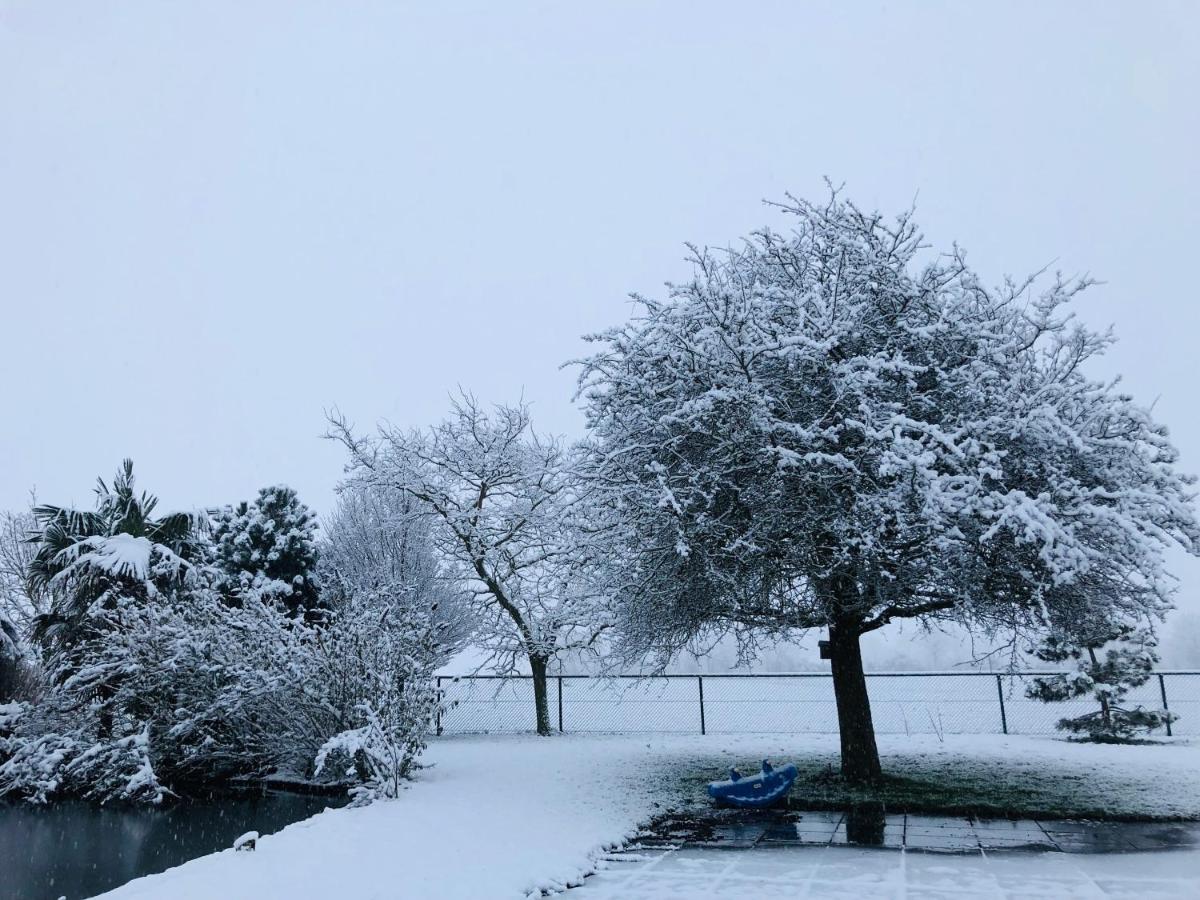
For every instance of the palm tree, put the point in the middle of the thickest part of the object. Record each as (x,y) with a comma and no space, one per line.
(96,561)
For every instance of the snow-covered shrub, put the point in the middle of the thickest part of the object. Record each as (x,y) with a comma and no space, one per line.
(113,576)
(31,759)
(238,678)
(1127,661)
(257,691)
(201,691)
(157,681)
(117,769)
(380,754)
(90,733)
(41,764)
(378,662)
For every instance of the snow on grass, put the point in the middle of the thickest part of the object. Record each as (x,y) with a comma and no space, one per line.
(503,816)
(1003,775)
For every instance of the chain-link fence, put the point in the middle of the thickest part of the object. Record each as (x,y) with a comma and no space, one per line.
(902,702)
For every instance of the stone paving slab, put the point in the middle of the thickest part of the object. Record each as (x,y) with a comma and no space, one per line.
(790,834)
(892,838)
(923,833)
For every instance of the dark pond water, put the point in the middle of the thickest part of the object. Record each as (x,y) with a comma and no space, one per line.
(75,850)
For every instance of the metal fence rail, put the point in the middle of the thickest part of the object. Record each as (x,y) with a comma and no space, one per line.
(901,702)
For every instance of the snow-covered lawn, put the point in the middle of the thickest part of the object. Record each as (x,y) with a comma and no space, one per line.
(501,816)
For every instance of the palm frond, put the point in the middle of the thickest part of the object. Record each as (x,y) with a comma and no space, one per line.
(87,556)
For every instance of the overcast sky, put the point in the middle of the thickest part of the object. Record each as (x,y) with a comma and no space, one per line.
(218,220)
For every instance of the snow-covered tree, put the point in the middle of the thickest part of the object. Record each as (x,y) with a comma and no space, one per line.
(503,505)
(19,600)
(834,428)
(1126,660)
(20,605)
(99,565)
(111,575)
(377,551)
(268,547)
(12,660)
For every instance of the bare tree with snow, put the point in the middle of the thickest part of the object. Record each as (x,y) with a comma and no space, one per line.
(835,428)
(21,602)
(377,553)
(20,599)
(503,504)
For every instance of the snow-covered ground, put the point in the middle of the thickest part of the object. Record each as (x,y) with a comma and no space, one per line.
(501,816)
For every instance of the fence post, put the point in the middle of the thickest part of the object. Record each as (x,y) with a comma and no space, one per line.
(700,681)
(1162,687)
(1000,694)
(439,705)
(560,728)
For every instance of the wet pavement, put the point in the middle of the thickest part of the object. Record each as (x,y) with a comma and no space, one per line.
(790,853)
(871,827)
(866,852)
(865,874)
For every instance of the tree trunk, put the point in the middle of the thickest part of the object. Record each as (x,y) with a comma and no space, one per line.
(1105,711)
(541,700)
(104,694)
(860,755)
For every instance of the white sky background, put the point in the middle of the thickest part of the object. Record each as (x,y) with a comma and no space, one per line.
(219,219)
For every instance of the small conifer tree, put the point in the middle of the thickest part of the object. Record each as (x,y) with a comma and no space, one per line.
(268,547)
(1106,662)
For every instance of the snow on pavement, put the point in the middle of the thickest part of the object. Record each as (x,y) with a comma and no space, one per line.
(503,816)
(864,874)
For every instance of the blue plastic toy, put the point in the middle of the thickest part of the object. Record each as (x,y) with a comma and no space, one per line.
(756,791)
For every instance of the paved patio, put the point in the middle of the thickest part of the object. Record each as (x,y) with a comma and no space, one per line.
(829,871)
(776,853)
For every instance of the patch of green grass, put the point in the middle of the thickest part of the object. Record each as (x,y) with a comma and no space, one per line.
(955,787)
(956,796)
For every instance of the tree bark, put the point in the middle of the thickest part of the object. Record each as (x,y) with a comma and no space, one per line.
(104,694)
(1105,710)
(541,697)
(860,755)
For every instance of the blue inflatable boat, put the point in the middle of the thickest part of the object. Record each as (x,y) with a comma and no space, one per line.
(764,789)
